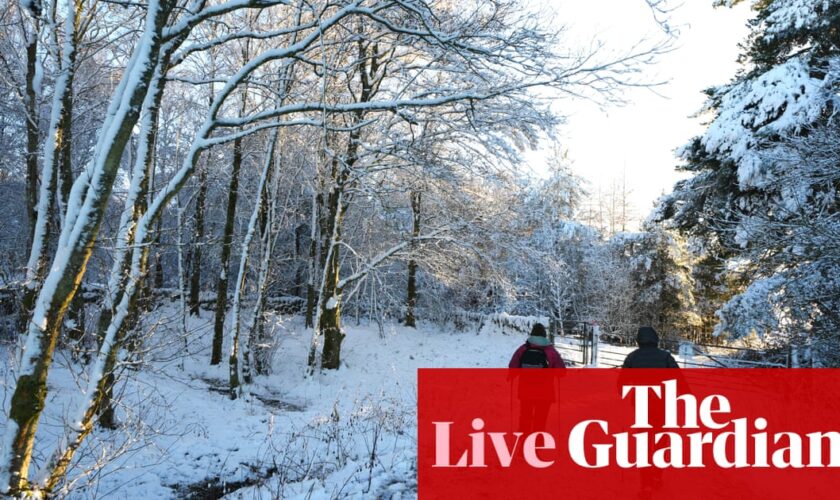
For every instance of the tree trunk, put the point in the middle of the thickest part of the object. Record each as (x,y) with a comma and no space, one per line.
(329,317)
(159,279)
(329,324)
(30,292)
(313,263)
(31,112)
(240,373)
(100,395)
(329,314)
(227,239)
(154,279)
(195,261)
(300,230)
(64,133)
(411,299)
(75,323)
(256,335)
(137,204)
(262,218)
(57,175)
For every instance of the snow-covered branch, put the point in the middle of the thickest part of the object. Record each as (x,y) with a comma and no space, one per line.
(436,235)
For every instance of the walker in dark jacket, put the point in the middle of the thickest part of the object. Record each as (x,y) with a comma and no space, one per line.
(649,355)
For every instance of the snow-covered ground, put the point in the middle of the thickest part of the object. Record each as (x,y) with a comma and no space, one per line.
(345,433)
(336,434)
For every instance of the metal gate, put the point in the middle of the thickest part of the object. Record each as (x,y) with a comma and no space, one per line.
(578,341)
(581,344)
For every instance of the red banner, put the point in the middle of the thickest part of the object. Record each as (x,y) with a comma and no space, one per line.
(599,433)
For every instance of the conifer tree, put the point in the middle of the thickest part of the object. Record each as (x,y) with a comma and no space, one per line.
(760,201)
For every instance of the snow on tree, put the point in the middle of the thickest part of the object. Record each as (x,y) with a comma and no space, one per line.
(761,197)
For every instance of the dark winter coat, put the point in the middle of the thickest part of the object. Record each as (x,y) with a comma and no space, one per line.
(649,355)
(551,355)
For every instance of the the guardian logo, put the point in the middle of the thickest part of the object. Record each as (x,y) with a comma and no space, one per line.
(689,434)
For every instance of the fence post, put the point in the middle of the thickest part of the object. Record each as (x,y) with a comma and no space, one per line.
(584,345)
(808,355)
(686,352)
(596,339)
(794,356)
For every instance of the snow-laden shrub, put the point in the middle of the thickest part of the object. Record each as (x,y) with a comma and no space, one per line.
(367,450)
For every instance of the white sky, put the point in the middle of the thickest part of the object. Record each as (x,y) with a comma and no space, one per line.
(640,137)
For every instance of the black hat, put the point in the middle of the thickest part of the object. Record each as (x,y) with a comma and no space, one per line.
(538,330)
(647,336)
